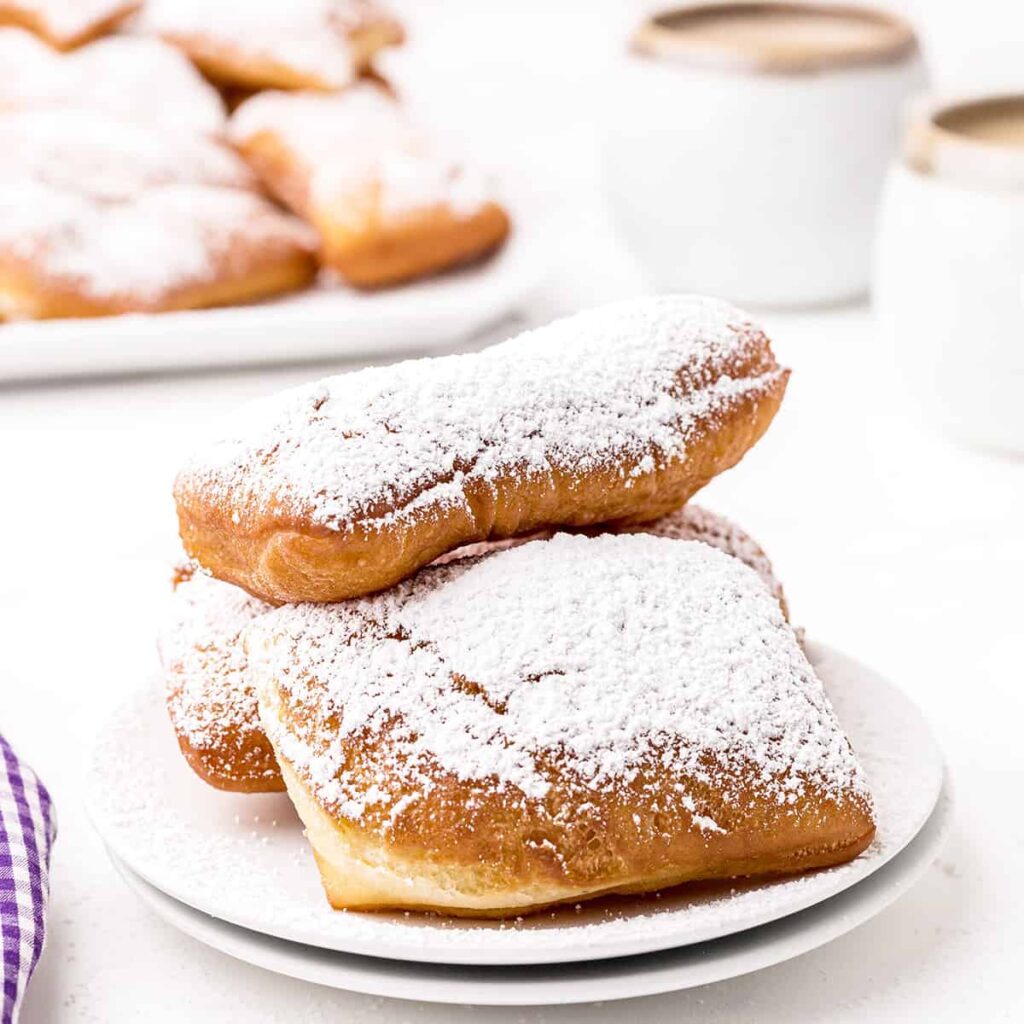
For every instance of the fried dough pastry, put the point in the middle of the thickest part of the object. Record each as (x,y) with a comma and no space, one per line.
(142,80)
(276,44)
(345,486)
(552,722)
(66,24)
(101,216)
(387,205)
(171,247)
(102,157)
(212,703)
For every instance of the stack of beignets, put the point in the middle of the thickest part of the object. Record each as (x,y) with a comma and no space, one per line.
(602,694)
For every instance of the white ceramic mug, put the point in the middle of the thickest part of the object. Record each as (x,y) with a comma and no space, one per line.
(749,163)
(949,267)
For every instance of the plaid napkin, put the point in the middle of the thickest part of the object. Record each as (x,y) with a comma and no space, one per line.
(27,830)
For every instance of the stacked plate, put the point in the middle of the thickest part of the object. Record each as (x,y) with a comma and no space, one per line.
(235,872)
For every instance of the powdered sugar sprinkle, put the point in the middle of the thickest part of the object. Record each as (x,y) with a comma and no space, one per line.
(595,653)
(141,80)
(629,382)
(201,650)
(359,138)
(309,36)
(105,158)
(142,250)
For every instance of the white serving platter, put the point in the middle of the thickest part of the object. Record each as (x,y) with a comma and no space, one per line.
(327,323)
(244,860)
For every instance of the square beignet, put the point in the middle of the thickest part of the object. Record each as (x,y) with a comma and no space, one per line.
(553,722)
(389,207)
(276,44)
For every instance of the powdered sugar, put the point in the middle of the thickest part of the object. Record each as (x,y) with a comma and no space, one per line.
(597,654)
(361,137)
(105,158)
(23,53)
(138,79)
(113,208)
(310,36)
(167,238)
(201,650)
(692,522)
(411,181)
(365,114)
(633,381)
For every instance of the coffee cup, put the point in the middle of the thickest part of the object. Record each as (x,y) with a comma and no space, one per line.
(949,268)
(745,146)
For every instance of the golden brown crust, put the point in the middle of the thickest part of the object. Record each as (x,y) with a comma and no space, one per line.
(377,251)
(487,848)
(284,176)
(33,17)
(103,215)
(238,762)
(211,706)
(501,861)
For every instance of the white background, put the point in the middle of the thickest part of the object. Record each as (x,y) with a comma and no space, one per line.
(894,545)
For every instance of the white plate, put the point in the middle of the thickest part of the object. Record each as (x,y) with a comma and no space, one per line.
(244,860)
(622,978)
(325,323)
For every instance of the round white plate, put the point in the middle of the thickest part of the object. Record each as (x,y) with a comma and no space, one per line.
(622,978)
(244,860)
(324,323)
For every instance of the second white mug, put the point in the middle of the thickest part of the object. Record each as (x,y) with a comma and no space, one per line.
(949,271)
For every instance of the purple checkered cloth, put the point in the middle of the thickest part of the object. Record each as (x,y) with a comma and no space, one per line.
(27,831)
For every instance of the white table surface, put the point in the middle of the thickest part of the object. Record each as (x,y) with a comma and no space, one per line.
(894,545)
